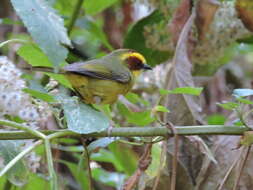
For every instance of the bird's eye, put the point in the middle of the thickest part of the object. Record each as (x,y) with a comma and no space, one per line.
(134,63)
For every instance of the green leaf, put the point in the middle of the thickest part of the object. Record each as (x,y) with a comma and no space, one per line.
(160,108)
(216,119)
(107,156)
(135,98)
(153,169)
(138,118)
(125,156)
(45,26)
(82,118)
(244,101)
(9,21)
(40,95)
(101,143)
(93,7)
(94,29)
(34,56)
(81,177)
(228,105)
(113,179)
(183,90)
(136,40)
(18,174)
(36,182)
(61,79)
(243,92)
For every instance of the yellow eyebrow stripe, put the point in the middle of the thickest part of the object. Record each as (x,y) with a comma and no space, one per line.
(134,54)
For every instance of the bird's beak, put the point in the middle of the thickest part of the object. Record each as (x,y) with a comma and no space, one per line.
(146,67)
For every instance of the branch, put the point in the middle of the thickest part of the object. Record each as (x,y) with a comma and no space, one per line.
(131,132)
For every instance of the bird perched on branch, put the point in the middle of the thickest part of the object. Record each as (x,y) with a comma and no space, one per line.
(101,81)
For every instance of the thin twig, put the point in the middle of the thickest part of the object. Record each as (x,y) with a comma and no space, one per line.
(230,170)
(241,168)
(50,165)
(23,127)
(86,154)
(143,164)
(175,156)
(75,15)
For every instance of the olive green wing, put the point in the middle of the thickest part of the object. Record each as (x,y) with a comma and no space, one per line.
(99,70)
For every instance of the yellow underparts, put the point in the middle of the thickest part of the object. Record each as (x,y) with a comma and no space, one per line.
(97,91)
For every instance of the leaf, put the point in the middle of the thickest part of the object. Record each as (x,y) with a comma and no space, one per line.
(242,92)
(245,13)
(40,95)
(244,101)
(95,30)
(228,105)
(113,179)
(136,40)
(183,90)
(82,118)
(180,76)
(45,26)
(205,10)
(180,17)
(18,174)
(92,7)
(107,156)
(138,118)
(153,169)
(61,79)
(80,177)
(135,98)
(101,143)
(216,119)
(160,108)
(34,56)
(129,162)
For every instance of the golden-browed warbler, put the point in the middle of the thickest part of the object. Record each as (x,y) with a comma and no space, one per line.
(101,81)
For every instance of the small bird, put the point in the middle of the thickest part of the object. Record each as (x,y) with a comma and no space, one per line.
(101,81)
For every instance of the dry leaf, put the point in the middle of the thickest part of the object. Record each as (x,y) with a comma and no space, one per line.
(205,11)
(186,108)
(245,13)
(179,19)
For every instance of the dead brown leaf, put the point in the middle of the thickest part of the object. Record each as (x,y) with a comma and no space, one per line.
(186,108)
(205,11)
(245,13)
(179,19)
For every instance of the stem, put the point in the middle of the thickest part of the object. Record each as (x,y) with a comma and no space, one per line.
(19,157)
(241,168)
(75,15)
(127,132)
(23,127)
(52,174)
(88,165)
(12,41)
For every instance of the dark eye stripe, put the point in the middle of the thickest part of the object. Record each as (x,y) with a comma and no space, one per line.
(134,63)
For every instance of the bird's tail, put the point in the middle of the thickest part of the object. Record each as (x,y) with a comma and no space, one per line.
(42,69)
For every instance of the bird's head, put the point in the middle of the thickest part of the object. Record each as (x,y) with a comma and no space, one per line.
(133,60)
